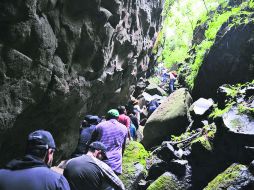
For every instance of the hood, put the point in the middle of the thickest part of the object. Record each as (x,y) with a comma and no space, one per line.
(27,161)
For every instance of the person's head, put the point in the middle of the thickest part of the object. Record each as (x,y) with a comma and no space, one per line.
(84,124)
(41,144)
(112,114)
(98,150)
(121,109)
(92,119)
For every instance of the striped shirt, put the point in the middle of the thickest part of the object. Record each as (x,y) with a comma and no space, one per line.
(113,135)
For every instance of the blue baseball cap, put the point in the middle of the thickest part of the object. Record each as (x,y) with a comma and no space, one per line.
(99,146)
(41,139)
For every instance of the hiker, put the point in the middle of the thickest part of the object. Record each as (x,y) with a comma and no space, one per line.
(89,172)
(88,127)
(152,106)
(33,171)
(172,79)
(124,119)
(137,109)
(113,135)
(134,120)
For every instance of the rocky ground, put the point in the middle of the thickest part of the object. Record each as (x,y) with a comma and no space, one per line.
(211,148)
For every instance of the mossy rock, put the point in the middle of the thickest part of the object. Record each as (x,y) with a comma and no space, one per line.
(237,176)
(170,118)
(166,182)
(134,162)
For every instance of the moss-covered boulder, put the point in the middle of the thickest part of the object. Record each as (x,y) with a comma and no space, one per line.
(237,176)
(225,56)
(167,181)
(134,162)
(170,118)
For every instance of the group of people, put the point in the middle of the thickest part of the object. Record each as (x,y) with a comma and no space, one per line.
(96,163)
(167,77)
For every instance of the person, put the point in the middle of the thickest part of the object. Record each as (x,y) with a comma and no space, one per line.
(89,172)
(113,135)
(88,127)
(124,119)
(134,120)
(137,109)
(152,106)
(172,79)
(33,172)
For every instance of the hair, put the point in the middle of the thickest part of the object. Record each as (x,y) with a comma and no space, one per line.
(35,151)
(121,109)
(91,149)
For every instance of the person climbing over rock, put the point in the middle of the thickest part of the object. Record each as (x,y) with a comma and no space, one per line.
(152,106)
(87,129)
(113,135)
(172,79)
(124,119)
(33,171)
(89,172)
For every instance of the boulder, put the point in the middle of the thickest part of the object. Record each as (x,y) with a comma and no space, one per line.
(170,118)
(153,89)
(237,176)
(134,162)
(223,64)
(201,108)
(167,181)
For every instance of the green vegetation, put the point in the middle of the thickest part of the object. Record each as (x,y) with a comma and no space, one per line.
(204,137)
(208,135)
(232,92)
(218,112)
(183,17)
(225,179)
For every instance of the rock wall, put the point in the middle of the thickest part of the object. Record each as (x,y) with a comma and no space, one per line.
(60,59)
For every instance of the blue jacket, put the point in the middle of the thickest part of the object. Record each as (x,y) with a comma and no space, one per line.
(31,174)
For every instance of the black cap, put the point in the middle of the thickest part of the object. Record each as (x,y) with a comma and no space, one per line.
(99,146)
(41,139)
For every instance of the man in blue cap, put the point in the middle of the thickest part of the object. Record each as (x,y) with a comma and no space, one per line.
(89,172)
(33,171)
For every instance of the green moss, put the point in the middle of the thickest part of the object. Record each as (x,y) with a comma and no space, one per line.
(207,137)
(238,16)
(245,110)
(219,112)
(165,182)
(223,180)
(134,153)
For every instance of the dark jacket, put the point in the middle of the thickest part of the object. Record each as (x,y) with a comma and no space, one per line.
(31,174)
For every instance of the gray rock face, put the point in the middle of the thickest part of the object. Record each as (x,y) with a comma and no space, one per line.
(60,59)
(230,61)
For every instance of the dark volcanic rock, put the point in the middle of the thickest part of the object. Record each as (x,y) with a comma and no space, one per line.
(62,59)
(229,61)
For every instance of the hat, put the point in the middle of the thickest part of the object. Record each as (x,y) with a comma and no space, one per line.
(99,146)
(41,139)
(92,119)
(113,113)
